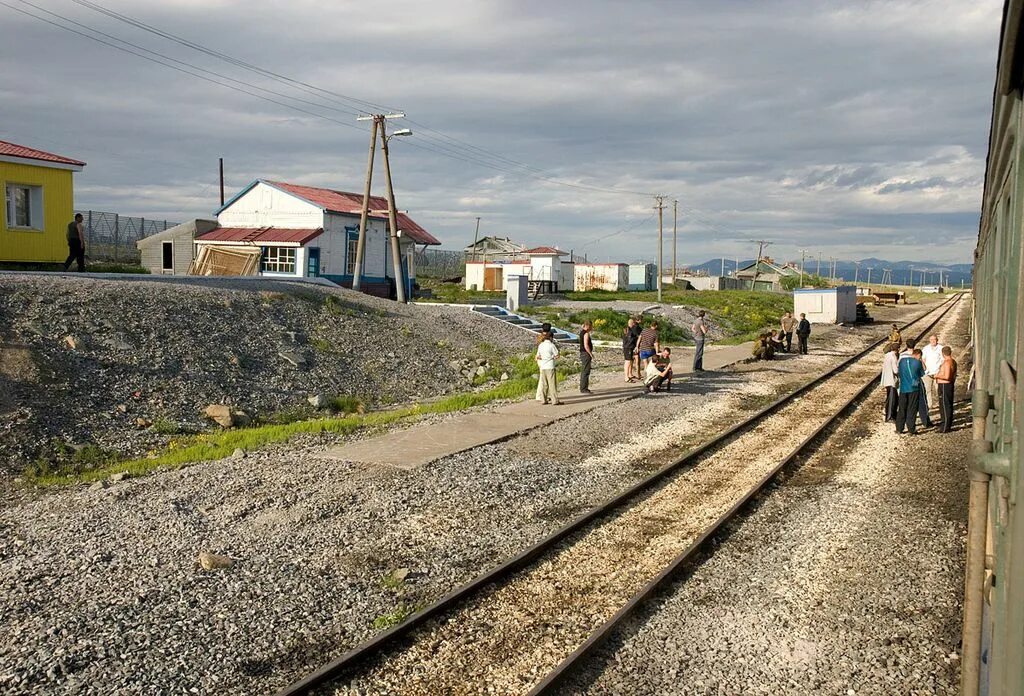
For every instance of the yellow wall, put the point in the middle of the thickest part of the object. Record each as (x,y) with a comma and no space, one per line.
(49,244)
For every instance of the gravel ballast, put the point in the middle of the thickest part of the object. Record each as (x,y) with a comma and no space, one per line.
(102,589)
(847,579)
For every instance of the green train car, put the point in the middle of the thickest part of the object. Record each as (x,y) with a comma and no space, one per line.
(993,637)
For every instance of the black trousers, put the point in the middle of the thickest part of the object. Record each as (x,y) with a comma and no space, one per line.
(946,407)
(891,399)
(789,341)
(585,360)
(76,252)
(803,343)
(906,411)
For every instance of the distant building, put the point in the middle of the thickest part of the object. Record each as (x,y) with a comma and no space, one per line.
(542,263)
(601,276)
(171,251)
(39,203)
(765,274)
(642,276)
(308,231)
(493,249)
(826,305)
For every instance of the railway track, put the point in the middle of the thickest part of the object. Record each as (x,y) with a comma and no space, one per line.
(523,626)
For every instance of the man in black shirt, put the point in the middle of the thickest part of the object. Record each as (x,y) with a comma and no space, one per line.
(76,244)
(803,330)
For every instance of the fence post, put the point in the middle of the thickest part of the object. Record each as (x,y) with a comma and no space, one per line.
(90,227)
(165,224)
(117,233)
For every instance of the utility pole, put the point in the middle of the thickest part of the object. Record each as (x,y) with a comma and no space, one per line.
(761,244)
(723,266)
(476,236)
(818,272)
(675,220)
(869,274)
(856,273)
(660,207)
(911,283)
(396,251)
(357,272)
(803,257)
(221,182)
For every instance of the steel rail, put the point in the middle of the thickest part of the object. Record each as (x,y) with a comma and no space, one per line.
(377,644)
(560,673)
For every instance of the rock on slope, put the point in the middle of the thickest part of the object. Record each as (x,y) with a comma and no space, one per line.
(109,357)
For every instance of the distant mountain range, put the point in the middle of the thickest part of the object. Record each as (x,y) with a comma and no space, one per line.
(954,274)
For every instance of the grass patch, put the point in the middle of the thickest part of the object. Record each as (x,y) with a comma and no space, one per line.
(218,445)
(321,344)
(391,582)
(457,293)
(64,461)
(346,404)
(165,426)
(608,323)
(396,616)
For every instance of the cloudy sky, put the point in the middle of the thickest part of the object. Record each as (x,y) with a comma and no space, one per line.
(852,129)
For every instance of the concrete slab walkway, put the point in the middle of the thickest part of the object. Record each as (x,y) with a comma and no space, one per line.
(413,447)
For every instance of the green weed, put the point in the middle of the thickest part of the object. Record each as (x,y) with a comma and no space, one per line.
(396,616)
(165,426)
(343,403)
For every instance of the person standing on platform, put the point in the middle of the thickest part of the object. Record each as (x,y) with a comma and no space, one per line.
(586,357)
(648,344)
(547,352)
(545,330)
(788,322)
(890,365)
(803,330)
(699,329)
(932,359)
(629,339)
(910,372)
(946,379)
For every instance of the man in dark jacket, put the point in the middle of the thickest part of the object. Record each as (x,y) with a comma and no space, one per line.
(910,371)
(803,330)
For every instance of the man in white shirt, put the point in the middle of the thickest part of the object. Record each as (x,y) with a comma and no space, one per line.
(547,351)
(931,356)
(658,372)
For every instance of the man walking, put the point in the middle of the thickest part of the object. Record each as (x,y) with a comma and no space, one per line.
(699,330)
(76,243)
(803,330)
(946,379)
(586,357)
(788,322)
(547,352)
(911,371)
(932,359)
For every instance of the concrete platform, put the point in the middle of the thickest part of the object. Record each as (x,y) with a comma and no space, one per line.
(413,447)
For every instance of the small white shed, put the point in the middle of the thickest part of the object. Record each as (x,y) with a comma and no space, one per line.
(171,251)
(826,305)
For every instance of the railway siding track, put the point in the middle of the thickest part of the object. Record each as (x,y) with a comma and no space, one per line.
(522,627)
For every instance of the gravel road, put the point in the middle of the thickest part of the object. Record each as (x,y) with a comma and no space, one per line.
(101,590)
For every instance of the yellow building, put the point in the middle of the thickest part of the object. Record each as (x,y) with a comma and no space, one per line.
(39,203)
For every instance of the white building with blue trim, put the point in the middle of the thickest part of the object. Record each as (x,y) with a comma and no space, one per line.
(309,231)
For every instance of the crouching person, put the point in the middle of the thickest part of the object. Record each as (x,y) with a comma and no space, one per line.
(763,348)
(658,372)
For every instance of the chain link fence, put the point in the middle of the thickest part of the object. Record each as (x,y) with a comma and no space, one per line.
(440,263)
(112,237)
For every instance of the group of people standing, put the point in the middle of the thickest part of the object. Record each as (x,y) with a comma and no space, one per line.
(915,378)
(768,343)
(645,358)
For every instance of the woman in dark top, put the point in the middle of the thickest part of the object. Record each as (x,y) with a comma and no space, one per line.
(629,339)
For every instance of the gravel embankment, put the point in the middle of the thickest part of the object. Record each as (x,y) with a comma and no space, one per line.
(97,356)
(100,590)
(847,579)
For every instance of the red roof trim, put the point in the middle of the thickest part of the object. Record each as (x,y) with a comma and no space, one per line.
(256,235)
(13,150)
(546,250)
(352,204)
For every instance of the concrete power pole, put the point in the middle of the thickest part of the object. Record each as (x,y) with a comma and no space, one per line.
(723,266)
(869,274)
(803,257)
(856,273)
(357,273)
(818,272)
(396,251)
(675,221)
(660,207)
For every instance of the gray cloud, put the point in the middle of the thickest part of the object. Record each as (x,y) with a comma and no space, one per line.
(801,121)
